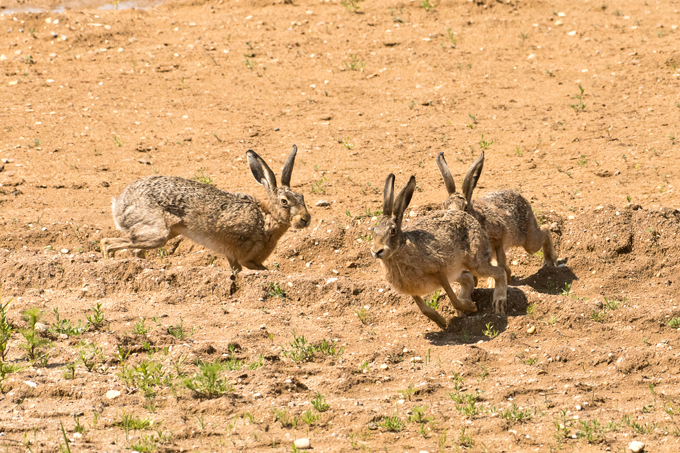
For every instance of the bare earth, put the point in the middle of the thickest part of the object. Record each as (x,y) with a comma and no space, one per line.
(98,99)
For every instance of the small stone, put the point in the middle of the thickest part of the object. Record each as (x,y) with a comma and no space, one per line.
(412,214)
(144,161)
(111,394)
(326,117)
(617,173)
(416,360)
(636,446)
(257,395)
(578,407)
(424,451)
(77,435)
(276,129)
(65,251)
(372,426)
(31,384)
(63,336)
(3,57)
(303,444)
(40,327)
(384,366)
(323,203)
(531,329)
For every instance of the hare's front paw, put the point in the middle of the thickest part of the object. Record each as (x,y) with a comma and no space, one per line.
(466,305)
(499,305)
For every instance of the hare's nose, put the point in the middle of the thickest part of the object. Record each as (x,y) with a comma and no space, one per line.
(378,253)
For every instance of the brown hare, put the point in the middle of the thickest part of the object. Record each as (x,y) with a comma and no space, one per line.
(449,245)
(505,215)
(153,210)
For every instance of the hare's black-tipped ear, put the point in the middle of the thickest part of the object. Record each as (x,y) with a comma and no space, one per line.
(471,177)
(403,199)
(446,174)
(261,171)
(288,168)
(388,196)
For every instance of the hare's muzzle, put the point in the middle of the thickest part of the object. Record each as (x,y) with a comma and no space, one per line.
(378,253)
(302,221)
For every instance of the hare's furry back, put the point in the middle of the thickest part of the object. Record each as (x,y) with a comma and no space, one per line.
(153,210)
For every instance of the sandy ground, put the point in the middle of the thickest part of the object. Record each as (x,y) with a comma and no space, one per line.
(575,105)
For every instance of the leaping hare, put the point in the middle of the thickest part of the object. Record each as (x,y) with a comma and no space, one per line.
(153,210)
(449,245)
(505,215)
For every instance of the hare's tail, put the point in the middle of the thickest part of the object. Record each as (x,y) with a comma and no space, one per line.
(113,209)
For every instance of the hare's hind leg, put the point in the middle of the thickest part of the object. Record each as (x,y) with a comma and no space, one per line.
(540,239)
(462,303)
(467,283)
(152,234)
(500,292)
(430,312)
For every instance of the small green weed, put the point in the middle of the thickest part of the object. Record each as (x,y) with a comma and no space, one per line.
(319,403)
(140,328)
(392,424)
(96,321)
(351,5)
(179,331)
(354,64)
(207,383)
(515,414)
(364,316)
(317,186)
(433,300)
(64,326)
(202,176)
(426,5)
(579,97)
(490,331)
(286,420)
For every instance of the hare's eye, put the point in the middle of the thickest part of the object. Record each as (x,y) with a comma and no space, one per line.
(393,232)
(284,202)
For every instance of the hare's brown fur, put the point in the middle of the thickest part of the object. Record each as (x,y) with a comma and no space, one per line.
(505,215)
(153,210)
(449,245)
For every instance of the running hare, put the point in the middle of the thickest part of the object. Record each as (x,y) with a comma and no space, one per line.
(505,215)
(153,210)
(449,245)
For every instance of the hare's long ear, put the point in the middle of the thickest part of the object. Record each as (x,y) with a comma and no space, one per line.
(471,177)
(403,199)
(446,174)
(261,171)
(288,168)
(388,196)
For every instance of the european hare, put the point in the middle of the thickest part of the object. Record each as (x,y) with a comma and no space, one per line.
(505,215)
(153,210)
(449,245)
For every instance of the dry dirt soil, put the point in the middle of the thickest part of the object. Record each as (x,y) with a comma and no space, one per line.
(576,105)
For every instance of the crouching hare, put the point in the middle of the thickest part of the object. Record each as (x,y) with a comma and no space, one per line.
(449,245)
(153,210)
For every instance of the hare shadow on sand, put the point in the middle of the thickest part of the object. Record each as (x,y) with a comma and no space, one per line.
(548,280)
(473,328)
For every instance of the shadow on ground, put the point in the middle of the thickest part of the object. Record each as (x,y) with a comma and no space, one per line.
(474,328)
